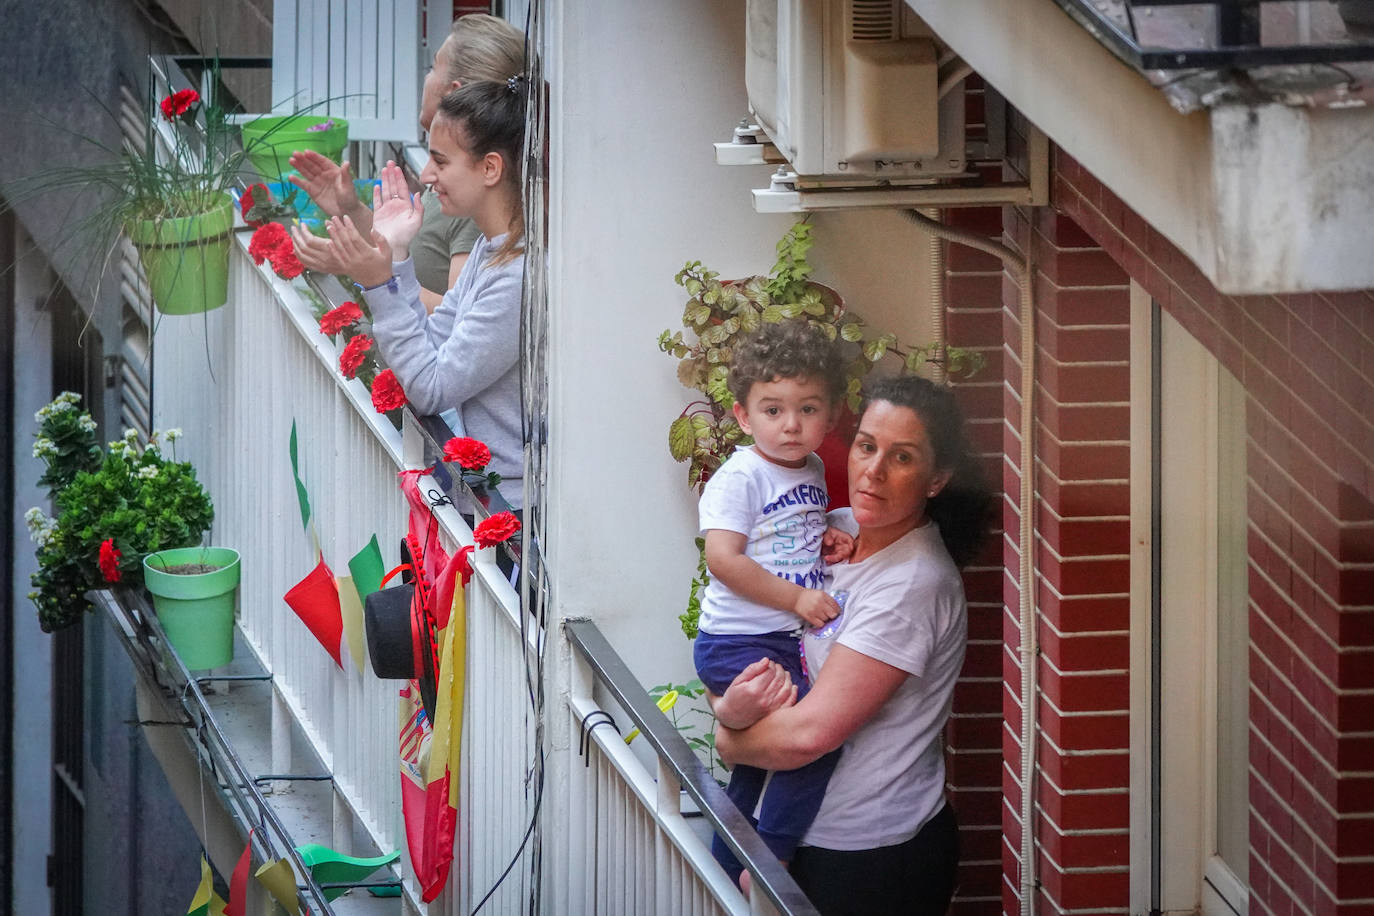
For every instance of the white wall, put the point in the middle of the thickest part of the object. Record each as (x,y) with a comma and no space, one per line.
(640,90)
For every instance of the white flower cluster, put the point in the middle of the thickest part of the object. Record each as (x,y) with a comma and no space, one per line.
(86,423)
(147,472)
(126,450)
(64,402)
(172,434)
(44,447)
(41,528)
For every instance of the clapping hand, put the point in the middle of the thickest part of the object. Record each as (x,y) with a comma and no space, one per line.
(314,252)
(329,185)
(369,264)
(395,213)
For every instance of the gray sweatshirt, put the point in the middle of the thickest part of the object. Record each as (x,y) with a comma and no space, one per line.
(464,356)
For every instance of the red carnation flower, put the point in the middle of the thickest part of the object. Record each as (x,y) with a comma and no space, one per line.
(353,354)
(335,320)
(285,262)
(499,527)
(109,560)
(387,393)
(271,242)
(266,240)
(471,454)
(178,103)
(249,201)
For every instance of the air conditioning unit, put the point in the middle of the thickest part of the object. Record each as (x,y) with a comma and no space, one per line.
(850,90)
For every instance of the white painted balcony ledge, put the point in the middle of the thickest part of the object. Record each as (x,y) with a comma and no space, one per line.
(234,380)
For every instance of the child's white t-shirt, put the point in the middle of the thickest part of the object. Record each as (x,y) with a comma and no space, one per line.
(781,511)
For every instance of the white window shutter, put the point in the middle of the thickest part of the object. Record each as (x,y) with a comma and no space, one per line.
(359,59)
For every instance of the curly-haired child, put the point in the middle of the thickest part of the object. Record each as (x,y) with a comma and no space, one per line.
(763,517)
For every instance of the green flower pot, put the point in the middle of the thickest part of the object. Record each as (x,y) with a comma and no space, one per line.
(196,610)
(186,258)
(270,141)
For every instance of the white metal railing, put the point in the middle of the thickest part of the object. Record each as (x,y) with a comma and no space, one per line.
(235,380)
(639,854)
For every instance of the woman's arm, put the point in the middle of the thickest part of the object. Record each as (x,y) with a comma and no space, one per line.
(445,358)
(849,691)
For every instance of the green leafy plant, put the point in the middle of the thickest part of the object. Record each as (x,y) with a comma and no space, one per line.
(720,312)
(693,720)
(689,617)
(111,509)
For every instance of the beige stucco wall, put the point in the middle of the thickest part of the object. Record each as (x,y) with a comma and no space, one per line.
(1262,197)
(640,91)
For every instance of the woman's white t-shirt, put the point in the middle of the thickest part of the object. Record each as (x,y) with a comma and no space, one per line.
(905,608)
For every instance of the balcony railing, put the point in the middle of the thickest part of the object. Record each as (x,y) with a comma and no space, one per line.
(236,380)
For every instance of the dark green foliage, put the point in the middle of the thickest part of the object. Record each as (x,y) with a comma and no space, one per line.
(135,498)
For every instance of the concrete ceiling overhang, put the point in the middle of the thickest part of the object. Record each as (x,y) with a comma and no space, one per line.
(1263,197)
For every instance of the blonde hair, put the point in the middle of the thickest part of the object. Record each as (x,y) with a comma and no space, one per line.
(483,47)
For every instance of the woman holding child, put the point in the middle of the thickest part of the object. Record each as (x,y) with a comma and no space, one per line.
(884,840)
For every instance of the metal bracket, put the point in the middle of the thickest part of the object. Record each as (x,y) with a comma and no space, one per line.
(292,777)
(788,193)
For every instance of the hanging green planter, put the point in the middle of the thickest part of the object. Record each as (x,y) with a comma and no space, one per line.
(186,258)
(270,141)
(193,592)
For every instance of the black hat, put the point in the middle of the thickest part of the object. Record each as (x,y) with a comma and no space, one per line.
(400,640)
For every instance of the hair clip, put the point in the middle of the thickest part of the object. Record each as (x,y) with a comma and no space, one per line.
(513,84)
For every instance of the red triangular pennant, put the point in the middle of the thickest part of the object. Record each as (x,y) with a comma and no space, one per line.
(315,599)
(238,882)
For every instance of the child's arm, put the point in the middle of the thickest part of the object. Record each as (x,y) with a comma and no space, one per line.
(727,562)
(837,545)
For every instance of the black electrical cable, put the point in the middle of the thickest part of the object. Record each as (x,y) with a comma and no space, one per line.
(534,569)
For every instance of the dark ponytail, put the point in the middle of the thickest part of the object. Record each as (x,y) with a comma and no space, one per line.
(963,509)
(489,117)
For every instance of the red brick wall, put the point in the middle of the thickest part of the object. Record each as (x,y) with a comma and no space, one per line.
(974,735)
(1081,544)
(973,283)
(1307,365)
